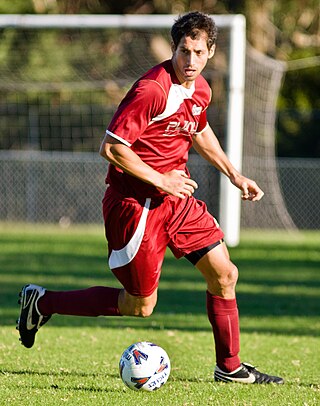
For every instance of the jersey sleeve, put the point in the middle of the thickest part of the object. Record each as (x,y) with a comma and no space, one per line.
(145,100)
(203,122)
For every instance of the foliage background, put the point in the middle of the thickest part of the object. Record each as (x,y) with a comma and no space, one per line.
(289,31)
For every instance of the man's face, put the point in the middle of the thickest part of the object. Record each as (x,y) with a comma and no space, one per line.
(190,57)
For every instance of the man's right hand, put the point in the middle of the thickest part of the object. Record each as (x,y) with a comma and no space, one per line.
(177,183)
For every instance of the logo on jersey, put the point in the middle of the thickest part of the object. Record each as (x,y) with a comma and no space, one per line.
(196,111)
(175,128)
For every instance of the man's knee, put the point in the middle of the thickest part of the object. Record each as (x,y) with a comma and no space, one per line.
(144,311)
(229,278)
(137,306)
(223,283)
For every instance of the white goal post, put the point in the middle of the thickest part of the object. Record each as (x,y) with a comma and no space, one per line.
(230,201)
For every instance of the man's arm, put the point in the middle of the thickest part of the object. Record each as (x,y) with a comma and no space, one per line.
(175,182)
(208,146)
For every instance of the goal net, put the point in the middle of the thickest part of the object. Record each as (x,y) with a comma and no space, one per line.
(264,76)
(62,78)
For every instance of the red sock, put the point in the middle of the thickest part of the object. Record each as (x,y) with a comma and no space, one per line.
(95,301)
(224,318)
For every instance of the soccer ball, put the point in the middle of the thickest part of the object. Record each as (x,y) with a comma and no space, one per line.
(144,366)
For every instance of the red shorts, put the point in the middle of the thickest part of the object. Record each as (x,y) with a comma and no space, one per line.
(138,233)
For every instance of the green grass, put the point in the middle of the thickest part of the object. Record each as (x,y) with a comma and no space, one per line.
(75,359)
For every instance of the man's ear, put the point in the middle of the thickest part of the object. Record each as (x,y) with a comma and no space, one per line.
(212,50)
(173,47)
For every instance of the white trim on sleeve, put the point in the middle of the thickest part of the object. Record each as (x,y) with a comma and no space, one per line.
(205,128)
(118,138)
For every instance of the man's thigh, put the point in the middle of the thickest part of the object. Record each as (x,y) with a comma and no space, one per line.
(137,242)
(192,227)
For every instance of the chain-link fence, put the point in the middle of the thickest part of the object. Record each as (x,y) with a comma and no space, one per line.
(68,188)
(300,184)
(64,104)
(51,187)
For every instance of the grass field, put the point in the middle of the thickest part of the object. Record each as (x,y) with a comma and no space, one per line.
(75,359)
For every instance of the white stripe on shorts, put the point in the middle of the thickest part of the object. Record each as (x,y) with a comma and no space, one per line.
(126,254)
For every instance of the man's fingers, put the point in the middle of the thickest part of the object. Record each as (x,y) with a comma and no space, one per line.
(178,183)
(252,194)
(191,183)
(189,189)
(188,181)
(250,190)
(245,192)
(258,196)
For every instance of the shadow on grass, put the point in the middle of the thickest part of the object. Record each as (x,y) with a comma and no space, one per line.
(87,374)
(29,373)
(280,280)
(83,387)
(58,373)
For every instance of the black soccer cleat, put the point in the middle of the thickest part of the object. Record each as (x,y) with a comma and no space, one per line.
(30,319)
(246,373)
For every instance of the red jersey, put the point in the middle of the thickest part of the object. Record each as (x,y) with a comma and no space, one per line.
(157,119)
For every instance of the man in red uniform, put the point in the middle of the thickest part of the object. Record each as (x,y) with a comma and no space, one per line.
(149,204)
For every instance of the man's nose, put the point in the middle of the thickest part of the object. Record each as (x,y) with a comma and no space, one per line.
(190,59)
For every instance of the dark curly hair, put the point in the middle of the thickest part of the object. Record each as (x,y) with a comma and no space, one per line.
(191,25)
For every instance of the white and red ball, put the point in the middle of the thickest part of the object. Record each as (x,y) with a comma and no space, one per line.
(144,366)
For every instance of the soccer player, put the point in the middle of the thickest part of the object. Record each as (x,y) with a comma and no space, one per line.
(149,203)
